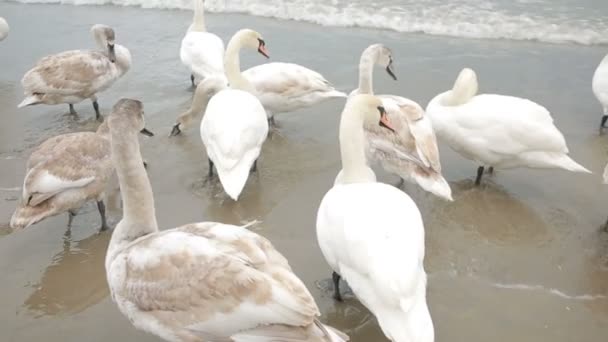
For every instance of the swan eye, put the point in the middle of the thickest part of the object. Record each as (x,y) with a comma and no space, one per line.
(381,110)
(30,199)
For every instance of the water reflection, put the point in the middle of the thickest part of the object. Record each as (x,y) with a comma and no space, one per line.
(74,281)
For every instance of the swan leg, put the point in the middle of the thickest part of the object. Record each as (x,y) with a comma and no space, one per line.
(71,215)
(271,121)
(603,122)
(335,277)
(192,80)
(255,166)
(479,175)
(102,212)
(72,111)
(491,170)
(606,226)
(210,168)
(96,107)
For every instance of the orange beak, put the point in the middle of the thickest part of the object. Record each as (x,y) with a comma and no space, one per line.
(385,122)
(262,50)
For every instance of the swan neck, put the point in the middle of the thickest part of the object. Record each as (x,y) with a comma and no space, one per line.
(139,217)
(366,71)
(197,107)
(198,19)
(352,147)
(232,65)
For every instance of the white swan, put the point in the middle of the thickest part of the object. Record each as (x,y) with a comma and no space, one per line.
(72,76)
(599,85)
(234,126)
(280,87)
(202,52)
(4,28)
(412,152)
(203,281)
(285,87)
(496,130)
(372,235)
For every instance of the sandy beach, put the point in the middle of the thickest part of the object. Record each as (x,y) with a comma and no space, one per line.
(520,259)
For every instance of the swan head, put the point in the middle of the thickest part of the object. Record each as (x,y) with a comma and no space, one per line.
(465,86)
(253,40)
(370,109)
(382,56)
(128,116)
(104,35)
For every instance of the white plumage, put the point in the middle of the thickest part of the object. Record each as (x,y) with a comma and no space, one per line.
(233,130)
(235,126)
(372,235)
(4,29)
(496,130)
(599,85)
(285,87)
(202,52)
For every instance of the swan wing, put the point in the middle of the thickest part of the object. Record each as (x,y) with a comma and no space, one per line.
(212,279)
(203,53)
(76,161)
(70,72)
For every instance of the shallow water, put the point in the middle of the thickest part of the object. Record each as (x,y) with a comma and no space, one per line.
(520,259)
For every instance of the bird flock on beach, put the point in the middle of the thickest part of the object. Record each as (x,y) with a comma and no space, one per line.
(210,281)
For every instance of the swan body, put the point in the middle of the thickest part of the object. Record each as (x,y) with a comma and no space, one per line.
(233,130)
(286,87)
(235,126)
(64,173)
(202,52)
(72,76)
(496,130)
(372,235)
(203,281)
(599,85)
(411,151)
(4,29)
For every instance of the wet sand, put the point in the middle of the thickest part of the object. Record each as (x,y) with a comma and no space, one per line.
(520,259)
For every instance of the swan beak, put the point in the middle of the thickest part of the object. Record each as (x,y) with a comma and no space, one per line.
(262,48)
(384,122)
(175,131)
(111,52)
(390,70)
(146,132)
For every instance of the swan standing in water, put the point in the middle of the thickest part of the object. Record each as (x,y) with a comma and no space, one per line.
(4,28)
(411,152)
(496,130)
(203,281)
(202,52)
(372,234)
(72,76)
(600,88)
(64,173)
(234,126)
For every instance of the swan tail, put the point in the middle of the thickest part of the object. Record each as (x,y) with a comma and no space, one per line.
(335,94)
(233,180)
(329,334)
(435,184)
(543,160)
(30,101)
(25,215)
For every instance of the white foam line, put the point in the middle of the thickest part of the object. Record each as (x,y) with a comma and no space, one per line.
(552,291)
(10,189)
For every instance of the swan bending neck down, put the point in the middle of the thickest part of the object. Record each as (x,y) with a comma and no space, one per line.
(498,131)
(371,234)
(3,29)
(203,281)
